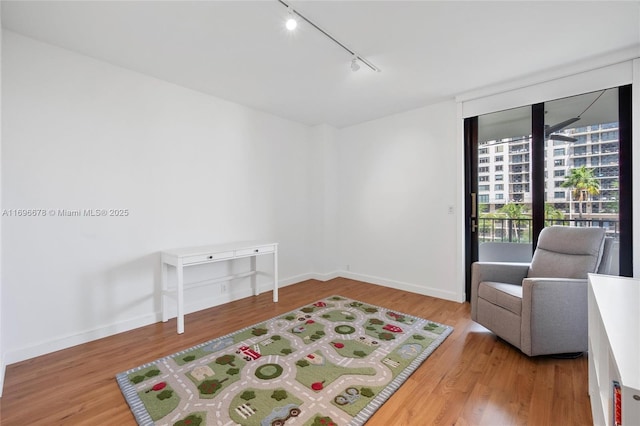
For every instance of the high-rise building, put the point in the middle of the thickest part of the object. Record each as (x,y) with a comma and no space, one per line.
(504,172)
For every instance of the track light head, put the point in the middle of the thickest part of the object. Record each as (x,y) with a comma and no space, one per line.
(291,23)
(355,66)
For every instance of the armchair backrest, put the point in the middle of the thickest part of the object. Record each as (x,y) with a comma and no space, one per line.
(567,252)
(610,263)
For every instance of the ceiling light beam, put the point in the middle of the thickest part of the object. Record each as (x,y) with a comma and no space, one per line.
(291,21)
(335,40)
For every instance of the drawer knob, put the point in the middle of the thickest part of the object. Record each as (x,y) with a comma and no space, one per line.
(636,397)
(256,250)
(210,257)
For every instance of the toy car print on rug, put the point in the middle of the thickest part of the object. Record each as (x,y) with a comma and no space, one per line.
(332,362)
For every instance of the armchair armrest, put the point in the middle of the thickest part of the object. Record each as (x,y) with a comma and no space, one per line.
(554,315)
(502,272)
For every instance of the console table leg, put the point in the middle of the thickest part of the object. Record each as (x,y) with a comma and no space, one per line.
(163,296)
(275,275)
(254,279)
(180,316)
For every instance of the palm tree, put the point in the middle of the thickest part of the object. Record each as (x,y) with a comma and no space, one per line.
(583,184)
(513,211)
(551,214)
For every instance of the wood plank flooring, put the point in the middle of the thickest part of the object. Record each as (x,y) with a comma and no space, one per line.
(471,379)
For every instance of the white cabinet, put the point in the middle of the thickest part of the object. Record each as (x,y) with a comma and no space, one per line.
(614,349)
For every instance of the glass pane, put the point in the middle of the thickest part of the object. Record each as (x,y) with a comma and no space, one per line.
(582,160)
(582,167)
(504,192)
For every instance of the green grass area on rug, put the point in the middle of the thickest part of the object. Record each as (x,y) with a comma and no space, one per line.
(332,362)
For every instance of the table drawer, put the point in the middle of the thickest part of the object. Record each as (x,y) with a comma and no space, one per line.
(255,250)
(209,257)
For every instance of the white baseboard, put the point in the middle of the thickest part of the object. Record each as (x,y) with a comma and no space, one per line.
(68,341)
(310,276)
(370,279)
(3,368)
(399,285)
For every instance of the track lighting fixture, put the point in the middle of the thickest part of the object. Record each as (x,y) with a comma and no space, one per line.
(355,66)
(291,25)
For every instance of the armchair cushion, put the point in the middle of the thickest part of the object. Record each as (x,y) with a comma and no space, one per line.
(567,252)
(510,273)
(507,296)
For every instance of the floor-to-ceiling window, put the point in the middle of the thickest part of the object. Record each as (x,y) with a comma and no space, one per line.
(564,161)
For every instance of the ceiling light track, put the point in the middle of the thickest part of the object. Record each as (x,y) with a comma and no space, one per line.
(335,40)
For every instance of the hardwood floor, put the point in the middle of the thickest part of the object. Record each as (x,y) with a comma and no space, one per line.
(471,379)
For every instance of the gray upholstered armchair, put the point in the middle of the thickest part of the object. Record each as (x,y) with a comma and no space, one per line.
(541,307)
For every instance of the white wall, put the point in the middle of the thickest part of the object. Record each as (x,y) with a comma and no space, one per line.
(2,357)
(323,212)
(396,185)
(191,170)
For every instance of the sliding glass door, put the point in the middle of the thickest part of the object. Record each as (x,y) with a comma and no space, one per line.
(564,162)
(503,195)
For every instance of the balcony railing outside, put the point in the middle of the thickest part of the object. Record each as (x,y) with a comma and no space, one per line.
(520,230)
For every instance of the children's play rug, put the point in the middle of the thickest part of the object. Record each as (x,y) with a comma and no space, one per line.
(333,362)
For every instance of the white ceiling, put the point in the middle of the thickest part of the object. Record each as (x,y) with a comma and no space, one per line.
(239,50)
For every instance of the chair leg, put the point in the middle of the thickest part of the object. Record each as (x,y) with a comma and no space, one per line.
(569,355)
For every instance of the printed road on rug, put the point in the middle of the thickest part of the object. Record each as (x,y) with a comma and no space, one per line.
(332,362)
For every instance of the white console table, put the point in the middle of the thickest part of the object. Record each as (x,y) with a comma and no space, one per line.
(190,256)
(614,349)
